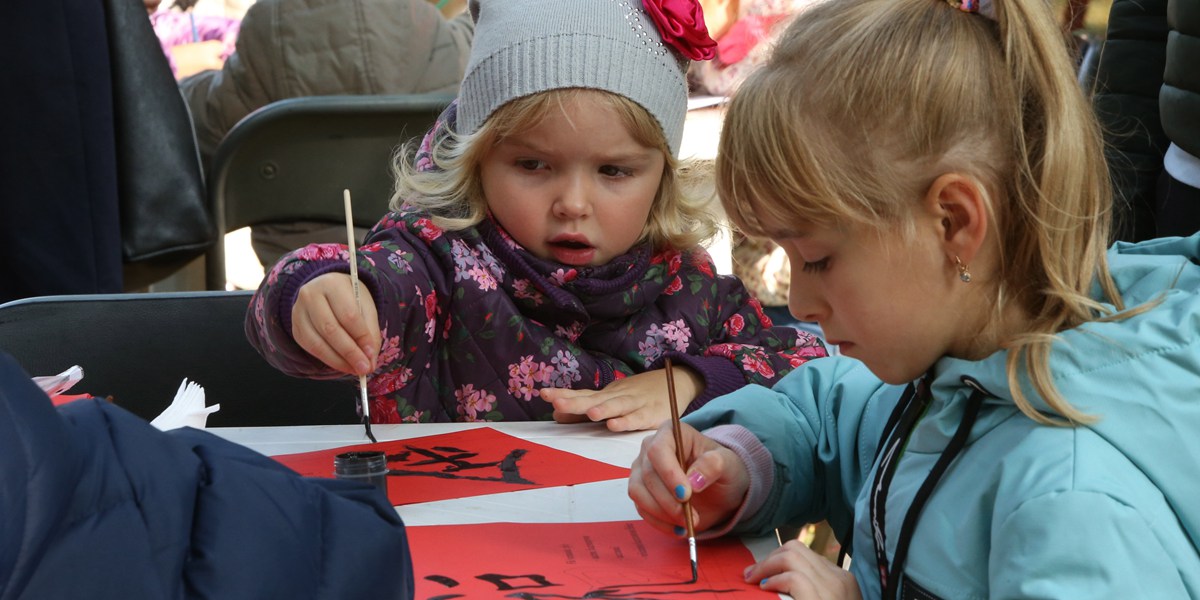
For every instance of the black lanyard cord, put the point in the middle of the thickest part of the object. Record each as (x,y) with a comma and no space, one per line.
(890,576)
(889,428)
(887,469)
(953,449)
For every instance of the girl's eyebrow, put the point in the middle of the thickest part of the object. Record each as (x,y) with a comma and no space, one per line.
(520,144)
(629,157)
(639,155)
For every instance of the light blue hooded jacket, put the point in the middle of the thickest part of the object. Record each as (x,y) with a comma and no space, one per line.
(1108,510)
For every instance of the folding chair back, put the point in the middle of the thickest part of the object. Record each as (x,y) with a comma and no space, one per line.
(137,348)
(290,160)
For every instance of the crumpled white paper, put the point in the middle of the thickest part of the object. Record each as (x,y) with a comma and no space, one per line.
(57,384)
(186,410)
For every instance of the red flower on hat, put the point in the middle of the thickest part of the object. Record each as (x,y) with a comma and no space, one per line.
(681,24)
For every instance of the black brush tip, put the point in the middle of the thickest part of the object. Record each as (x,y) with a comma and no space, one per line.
(367,425)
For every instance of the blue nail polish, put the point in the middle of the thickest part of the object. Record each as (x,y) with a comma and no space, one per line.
(763,582)
(679,530)
(680,491)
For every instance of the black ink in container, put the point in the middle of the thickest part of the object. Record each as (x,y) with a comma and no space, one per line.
(367,467)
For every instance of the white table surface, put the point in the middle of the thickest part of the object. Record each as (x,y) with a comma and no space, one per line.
(583,503)
(588,502)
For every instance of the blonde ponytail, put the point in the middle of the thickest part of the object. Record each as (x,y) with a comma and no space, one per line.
(863,104)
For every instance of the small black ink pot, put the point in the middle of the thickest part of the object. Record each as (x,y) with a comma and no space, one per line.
(367,467)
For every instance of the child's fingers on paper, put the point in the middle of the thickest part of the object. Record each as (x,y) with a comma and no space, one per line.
(574,406)
(628,423)
(621,411)
(576,402)
(619,405)
(564,417)
(797,570)
(636,417)
(550,394)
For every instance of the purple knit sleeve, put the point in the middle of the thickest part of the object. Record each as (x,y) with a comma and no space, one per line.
(291,288)
(269,322)
(720,375)
(736,329)
(758,463)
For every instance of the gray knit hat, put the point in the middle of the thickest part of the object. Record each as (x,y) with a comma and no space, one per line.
(522,47)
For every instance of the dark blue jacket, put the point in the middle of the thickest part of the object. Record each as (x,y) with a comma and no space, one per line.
(95,503)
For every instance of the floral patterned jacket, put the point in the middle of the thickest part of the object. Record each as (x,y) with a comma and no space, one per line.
(473,324)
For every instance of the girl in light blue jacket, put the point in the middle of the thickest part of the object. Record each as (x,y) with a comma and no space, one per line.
(1017,412)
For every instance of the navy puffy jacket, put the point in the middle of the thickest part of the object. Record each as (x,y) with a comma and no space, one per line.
(95,503)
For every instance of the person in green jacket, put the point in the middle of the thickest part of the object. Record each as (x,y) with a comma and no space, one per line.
(1015,411)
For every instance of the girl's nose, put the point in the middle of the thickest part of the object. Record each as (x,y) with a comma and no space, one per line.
(803,302)
(574,198)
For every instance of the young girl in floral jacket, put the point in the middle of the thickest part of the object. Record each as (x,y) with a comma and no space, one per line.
(542,260)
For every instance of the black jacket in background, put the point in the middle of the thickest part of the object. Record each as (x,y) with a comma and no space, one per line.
(59,221)
(1179,101)
(1128,80)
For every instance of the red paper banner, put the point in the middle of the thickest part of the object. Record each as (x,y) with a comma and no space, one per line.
(473,462)
(563,561)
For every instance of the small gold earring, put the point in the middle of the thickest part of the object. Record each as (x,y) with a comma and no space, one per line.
(963,273)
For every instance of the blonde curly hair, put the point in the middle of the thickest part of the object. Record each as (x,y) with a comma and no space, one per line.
(452,192)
